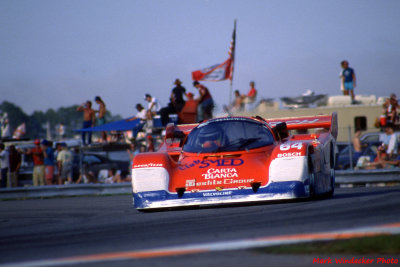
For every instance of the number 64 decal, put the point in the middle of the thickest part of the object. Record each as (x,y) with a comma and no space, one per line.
(285,147)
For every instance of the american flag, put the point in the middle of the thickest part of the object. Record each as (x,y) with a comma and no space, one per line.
(219,72)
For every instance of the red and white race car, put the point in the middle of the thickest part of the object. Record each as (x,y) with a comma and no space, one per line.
(238,159)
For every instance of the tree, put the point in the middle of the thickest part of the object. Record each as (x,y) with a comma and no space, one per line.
(37,122)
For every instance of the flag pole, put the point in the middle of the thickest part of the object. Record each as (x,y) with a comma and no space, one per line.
(232,52)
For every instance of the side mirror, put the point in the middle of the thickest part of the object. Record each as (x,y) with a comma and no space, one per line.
(281,130)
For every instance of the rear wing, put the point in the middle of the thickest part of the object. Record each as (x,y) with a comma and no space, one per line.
(327,122)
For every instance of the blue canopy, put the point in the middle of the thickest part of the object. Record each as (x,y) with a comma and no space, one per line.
(121,125)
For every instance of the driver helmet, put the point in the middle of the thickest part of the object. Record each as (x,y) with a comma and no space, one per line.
(211,133)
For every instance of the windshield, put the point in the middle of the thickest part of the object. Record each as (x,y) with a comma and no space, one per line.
(228,135)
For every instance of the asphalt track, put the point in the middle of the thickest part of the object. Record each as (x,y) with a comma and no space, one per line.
(107,229)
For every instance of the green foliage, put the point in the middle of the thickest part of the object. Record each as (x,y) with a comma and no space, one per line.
(36,124)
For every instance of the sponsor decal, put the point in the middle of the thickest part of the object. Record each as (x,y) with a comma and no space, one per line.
(148,165)
(220,173)
(289,154)
(273,123)
(192,182)
(285,147)
(220,193)
(209,162)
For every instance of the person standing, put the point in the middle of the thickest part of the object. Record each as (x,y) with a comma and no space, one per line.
(176,103)
(391,143)
(390,110)
(65,160)
(251,96)
(14,164)
(348,79)
(205,100)
(4,164)
(48,162)
(177,96)
(38,163)
(88,120)
(101,116)
(142,116)
(153,106)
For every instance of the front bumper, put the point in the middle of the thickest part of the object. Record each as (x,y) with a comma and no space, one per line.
(274,191)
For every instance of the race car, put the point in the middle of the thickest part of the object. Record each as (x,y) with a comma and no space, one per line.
(238,159)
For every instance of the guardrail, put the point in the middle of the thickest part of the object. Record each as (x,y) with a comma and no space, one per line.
(368,177)
(64,190)
(343,179)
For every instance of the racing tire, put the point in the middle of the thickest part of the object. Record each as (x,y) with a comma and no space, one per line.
(312,185)
(332,190)
(311,177)
(332,173)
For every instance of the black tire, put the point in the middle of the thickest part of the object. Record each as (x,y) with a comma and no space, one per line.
(311,177)
(332,190)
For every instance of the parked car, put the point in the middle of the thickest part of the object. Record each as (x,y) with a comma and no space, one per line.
(95,163)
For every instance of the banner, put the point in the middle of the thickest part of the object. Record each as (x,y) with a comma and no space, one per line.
(219,72)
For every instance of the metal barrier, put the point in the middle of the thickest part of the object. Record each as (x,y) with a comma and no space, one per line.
(346,178)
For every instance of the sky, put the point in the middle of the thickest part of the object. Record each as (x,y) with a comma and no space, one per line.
(58,53)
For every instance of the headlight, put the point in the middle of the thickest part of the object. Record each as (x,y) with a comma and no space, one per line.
(149,179)
(288,169)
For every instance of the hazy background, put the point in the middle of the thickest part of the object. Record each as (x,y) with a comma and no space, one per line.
(59,53)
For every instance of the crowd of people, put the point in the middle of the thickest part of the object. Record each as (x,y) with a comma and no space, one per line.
(57,165)
(243,102)
(387,152)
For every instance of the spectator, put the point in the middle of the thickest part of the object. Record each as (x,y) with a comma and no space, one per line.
(132,151)
(250,98)
(177,96)
(150,144)
(142,115)
(14,164)
(101,116)
(152,109)
(176,103)
(61,131)
(205,100)
(391,143)
(348,79)
(113,176)
(38,163)
(236,105)
(87,177)
(153,106)
(357,146)
(88,120)
(4,165)
(390,109)
(65,160)
(49,161)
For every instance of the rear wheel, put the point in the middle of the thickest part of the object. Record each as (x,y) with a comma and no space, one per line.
(332,172)
(312,185)
(311,177)
(332,176)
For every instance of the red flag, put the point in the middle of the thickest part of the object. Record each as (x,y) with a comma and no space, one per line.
(219,72)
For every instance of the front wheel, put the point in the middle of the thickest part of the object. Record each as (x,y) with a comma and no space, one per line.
(332,176)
